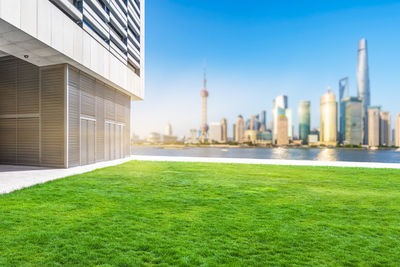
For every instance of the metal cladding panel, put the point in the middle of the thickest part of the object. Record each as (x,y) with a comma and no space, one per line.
(118,141)
(109,103)
(127,130)
(100,144)
(8,87)
(119,107)
(91,141)
(73,118)
(84,143)
(8,138)
(107,142)
(28,88)
(28,148)
(52,116)
(112,141)
(88,102)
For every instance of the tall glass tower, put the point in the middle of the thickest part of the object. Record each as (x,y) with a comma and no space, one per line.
(343,93)
(304,120)
(363,84)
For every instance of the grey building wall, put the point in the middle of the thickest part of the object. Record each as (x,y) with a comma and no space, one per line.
(59,116)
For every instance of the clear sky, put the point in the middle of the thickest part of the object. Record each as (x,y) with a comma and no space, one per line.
(256,50)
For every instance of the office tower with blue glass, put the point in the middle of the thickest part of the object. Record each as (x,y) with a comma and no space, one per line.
(343,93)
(304,120)
(353,120)
(69,70)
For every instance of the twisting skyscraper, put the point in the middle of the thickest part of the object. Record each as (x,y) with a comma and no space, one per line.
(204,125)
(363,84)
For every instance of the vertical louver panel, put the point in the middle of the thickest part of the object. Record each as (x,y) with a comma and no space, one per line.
(84,143)
(88,102)
(107,141)
(119,107)
(52,116)
(109,102)
(28,88)
(8,87)
(100,144)
(73,118)
(91,142)
(28,141)
(112,141)
(127,131)
(8,141)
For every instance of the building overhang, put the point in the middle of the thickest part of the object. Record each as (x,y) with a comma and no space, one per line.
(38,32)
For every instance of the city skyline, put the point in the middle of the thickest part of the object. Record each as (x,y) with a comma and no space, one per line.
(250,89)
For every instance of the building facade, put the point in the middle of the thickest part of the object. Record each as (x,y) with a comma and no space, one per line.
(282,137)
(304,120)
(353,120)
(239,129)
(343,93)
(224,125)
(216,132)
(385,129)
(68,73)
(328,133)
(374,126)
(279,104)
(363,86)
(397,131)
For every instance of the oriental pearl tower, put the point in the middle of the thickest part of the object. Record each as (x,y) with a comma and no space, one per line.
(204,126)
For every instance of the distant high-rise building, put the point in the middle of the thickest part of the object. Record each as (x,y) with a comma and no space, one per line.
(279,104)
(263,120)
(234,132)
(282,134)
(352,107)
(373,126)
(385,129)
(204,125)
(239,135)
(224,125)
(363,84)
(168,129)
(328,118)
(289,116)
(343,93)
(304,120)
(397,131)
(215,132)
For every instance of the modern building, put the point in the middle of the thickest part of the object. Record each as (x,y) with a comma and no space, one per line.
(224,125)
(239,131)
(168,129)
(312,139)
(216,132)
(263,119)
(385,129)
(250,136)
(328,133)
(397,131)
(154,138)
(363,86)
(279,104)
(289,116)
(204,125)
(374,126)
(343,93)
(352,107)
(304,120)
(68,73)
(282,135)
(234,132)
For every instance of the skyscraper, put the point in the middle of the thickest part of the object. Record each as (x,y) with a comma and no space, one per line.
(168,129)
(224,125)
(304,120)
(234,132)
(373,126)
(352,107)
(328,119)
(282,134)
(397,131)
(239,135)
(279,104)
(204,125)
(216,132)
(289,116)
(264,119)
(343,93)
(385,129)
(363,87)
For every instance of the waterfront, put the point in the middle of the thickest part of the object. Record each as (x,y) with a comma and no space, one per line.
(321,154)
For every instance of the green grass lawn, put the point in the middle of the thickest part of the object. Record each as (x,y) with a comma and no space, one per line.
(190,214)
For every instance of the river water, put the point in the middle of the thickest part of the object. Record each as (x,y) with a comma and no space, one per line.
(324,154)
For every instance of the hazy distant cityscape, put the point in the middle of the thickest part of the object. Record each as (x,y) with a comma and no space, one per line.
(347,121)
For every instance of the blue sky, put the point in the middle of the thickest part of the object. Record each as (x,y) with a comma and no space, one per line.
(256,50)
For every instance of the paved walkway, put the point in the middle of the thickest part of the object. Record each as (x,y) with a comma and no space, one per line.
(18,177)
